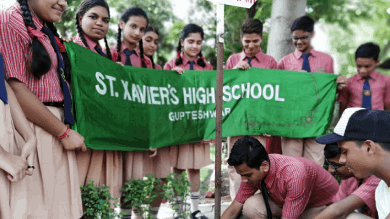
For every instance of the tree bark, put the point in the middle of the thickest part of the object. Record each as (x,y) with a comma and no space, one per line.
(284,12)
(251,12)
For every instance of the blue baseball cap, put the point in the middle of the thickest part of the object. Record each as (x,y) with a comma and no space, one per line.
(360,124)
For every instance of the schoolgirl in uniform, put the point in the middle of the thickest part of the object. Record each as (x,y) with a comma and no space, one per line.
(13,168)
(35,69)
(101,166)
(192,156)
(133,24)
(129,51)
(150,43)
(159,163)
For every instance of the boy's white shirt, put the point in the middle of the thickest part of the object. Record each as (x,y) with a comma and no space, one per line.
(382,200)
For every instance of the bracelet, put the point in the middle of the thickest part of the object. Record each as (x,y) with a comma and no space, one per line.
(66,134)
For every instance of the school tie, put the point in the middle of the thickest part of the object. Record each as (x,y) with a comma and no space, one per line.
(366,103)
(306,65)
(360,210)
(128,54)
(249,61)
(65,89)
(100,51)
(3,90)
(192,65)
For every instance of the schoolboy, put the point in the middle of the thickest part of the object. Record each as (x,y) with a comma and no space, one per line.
(354,194)
(363,137)
(292,187)
(251,56)
(306,59)
(368,88)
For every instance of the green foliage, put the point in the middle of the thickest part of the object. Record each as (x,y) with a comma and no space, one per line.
(96,202)
(344,42)
(67,25)
(159,12)
(341,12)
(141,193)
(177,185)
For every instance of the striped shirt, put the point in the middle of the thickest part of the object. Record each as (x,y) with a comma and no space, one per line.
(135,58)
(260,60)
(366,191)
(15,45)
(294,184)
(319,62)
(186,64)
(352,95)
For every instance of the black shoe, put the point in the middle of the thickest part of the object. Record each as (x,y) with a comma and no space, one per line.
(193,215)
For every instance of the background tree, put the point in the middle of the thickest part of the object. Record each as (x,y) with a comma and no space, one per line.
(284,12)
(159,14)
(348,23)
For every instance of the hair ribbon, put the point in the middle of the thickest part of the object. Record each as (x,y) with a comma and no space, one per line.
(146,61)
(35,33)
(60,45)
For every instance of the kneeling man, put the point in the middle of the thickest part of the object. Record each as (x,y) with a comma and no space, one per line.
(354,194)
(291,187)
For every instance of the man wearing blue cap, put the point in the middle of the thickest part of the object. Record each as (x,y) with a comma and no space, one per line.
(364,139)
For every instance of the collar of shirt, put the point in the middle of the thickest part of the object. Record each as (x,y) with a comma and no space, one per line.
(298,53)
(123,48)
(373,76)
(186,61)
(270,178)
(91,44)
(36,21)
(257,56)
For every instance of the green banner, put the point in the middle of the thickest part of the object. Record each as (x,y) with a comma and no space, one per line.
(128,108)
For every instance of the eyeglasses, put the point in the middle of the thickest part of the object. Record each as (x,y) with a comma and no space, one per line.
(335,167)
(301,38)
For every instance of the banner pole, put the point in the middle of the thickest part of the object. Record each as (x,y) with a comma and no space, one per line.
(218,120)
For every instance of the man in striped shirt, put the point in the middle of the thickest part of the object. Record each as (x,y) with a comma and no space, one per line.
(292,187)
(363,137)
(354,194)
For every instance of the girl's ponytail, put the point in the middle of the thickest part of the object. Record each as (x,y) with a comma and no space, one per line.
(201,60)
(178,60)
(108,52)
(81,33)
(65,57)
(41,62)
(141,53)
(119,44)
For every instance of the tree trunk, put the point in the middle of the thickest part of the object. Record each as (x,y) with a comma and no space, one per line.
(284,12)
(251,12)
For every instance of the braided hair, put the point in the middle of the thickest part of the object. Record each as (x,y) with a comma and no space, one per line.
(41,62)
(65,57)
(154,30)
(125,17)
(84,6)
(187,30)
(250,151)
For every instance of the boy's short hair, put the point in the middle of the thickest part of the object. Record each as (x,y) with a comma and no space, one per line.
(304,23)
(368,50)
(331,150)
(251,25)
(248,150)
